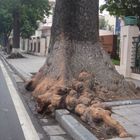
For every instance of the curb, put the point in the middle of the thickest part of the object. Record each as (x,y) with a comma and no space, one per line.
(75,129)
(121,103)
(13,68)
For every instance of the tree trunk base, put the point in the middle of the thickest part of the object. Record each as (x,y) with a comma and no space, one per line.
(15,56)
(81,97)
(77,76)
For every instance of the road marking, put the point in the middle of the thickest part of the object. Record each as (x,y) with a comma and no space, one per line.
(25,121)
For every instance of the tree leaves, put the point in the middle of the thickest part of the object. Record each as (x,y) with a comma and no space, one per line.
(122,7)
(30,12)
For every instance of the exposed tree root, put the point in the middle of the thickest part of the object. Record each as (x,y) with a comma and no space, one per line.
(89,114)
(36,79)
(81,97)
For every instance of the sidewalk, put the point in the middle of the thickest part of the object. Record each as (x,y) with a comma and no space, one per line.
(127,115)
(137,82)
(28,65)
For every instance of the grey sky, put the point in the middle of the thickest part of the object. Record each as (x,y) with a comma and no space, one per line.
(101,2)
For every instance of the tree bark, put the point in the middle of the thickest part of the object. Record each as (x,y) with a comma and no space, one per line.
(16,36)
(77,20)
(77,69)
(16,29)
(6,44)
(5,40)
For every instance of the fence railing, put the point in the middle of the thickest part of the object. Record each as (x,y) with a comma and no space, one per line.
(136,55)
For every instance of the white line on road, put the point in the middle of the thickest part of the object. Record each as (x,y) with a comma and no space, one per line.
(25,121)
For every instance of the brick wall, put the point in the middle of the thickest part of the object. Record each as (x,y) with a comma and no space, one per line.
(109,43)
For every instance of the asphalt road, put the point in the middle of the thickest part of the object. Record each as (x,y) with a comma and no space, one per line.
(10,128)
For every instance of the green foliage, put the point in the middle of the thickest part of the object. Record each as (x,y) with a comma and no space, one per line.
(5,21)
(116,61)
(28,21)
(29,10)
(122,7)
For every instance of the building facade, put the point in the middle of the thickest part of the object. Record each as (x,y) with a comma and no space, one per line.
(39,42)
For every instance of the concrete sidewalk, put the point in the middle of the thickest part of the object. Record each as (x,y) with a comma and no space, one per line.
(127,115)
(28,65)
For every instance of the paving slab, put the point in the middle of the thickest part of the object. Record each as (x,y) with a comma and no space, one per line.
(129,117)
(54,130)
(28,65)
(137,138)
(58,138)
(122,139)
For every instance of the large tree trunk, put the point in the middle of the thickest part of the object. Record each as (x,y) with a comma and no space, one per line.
(78,73)
(5,40)
(16,35)
(6,43)
(16,29)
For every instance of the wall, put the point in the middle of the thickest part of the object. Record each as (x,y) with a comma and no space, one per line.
(109,43)
(126,39)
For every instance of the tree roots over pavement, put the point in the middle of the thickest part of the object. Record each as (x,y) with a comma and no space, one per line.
(83,97)
(79,76)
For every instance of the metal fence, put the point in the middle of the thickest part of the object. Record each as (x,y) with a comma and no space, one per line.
(136,55)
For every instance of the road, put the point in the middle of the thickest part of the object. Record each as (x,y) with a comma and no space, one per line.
(15,124)
(10,128)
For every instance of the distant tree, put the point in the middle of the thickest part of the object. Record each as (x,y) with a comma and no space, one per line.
(24,15)
(122,7)
(5,26)
(28,22)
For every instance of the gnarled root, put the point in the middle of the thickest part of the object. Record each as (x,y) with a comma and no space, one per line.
(36,79)
(92,113)
(52,99)
(81,97)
